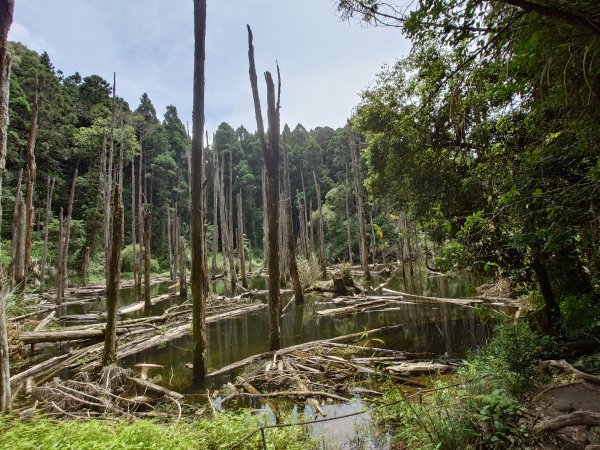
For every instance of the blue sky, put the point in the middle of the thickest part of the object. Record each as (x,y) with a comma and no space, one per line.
(325,62)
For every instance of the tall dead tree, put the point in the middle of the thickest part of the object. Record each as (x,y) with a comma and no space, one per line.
(356,168)
(170,245)
(133,215)
(109,356)
(182,269)
(30,176)
(232,274)
(199,276)
(20,236)
(67,234)
(348,219)
(147,237)
(13,246)
(59,262)
(85,270)
(270,153)
(322,256)
(108,186)
(140,217)
(240,239)
(311,234)
(265,216)
(6,16)
(222,212)
(49,190)
(215,242)
(299,295)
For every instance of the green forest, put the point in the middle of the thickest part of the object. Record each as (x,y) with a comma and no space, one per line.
(431,267)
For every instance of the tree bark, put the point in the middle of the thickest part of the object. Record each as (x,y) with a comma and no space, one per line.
(551,310)
(30,177)
(307,249)
(232,274)
(20,236)
(265,217)
(322,257)
(140,218)
(113,286)
(271,159)
(215,242)
(299,295)
(65,273)
(108,187)
(6,16)
(182,269)
(13,245)
(133,214)
(364,257)
(198,277)
(86,267)
(240,239)
(348,219)
(59,262)
(222,213)
(49,191)
(170,246)
(147,237)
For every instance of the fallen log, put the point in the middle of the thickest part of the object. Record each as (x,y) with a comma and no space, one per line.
(418,368)
(40,326)
(139,306)
(458,301)
(294,394)
(62,336)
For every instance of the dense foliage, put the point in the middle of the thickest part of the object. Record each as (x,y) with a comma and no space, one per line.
(488,133)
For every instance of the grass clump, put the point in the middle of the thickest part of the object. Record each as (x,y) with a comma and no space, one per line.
(485,409)
(219,432)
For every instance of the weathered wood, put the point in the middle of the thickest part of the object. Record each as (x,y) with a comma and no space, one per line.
(146,239)
(30,177)
(40,326)
(240,239)
(418,368)
(298,293)
(565,366)
(6,17)
(283,351)
(155,388)
(109,356)
(358,192)
(63,336)
(270,154)
(19,234)
(108,186)
(199,277)
(348,231)
(139,306)
(65,258)
(182,269)
(86,266)
(458,301)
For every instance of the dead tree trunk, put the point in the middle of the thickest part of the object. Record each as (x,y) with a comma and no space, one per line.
(322,257)
(147,237)
(20,236)
(215,242)
(311,233)
(348,219)
(65,274)
(199,275)
(109,356)
(170,245)
(30,178)
(49,191)
(140,214)
(373,238)
(265,217)
(299,295)
(13,246)
(307,244)
(271,159)
(232,274)
(134,265)
(174,236)
(182,269)
(86,267)
(224,233)
(282,240)
(108,182)
(240,239)
(59,262)
(364,256)
(6,16)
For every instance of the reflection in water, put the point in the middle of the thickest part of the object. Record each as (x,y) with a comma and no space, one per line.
(442,328)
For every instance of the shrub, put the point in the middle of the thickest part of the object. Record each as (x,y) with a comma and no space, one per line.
(580,316)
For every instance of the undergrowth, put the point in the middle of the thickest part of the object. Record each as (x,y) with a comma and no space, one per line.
(219,432)
(484,409)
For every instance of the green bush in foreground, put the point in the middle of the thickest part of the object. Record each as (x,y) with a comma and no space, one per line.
(219,432)
(484,410)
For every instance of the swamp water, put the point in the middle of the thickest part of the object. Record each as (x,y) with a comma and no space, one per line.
(445,329)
